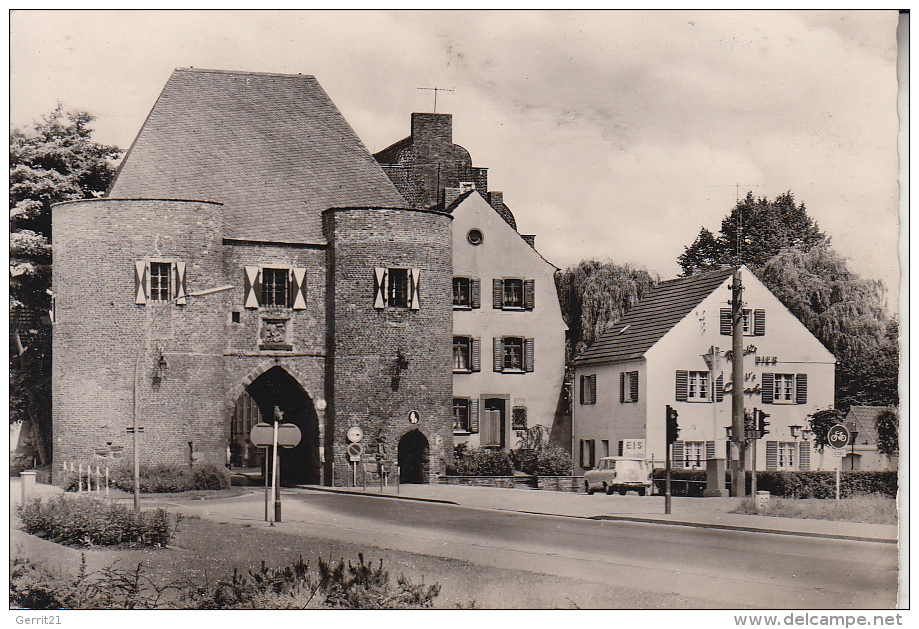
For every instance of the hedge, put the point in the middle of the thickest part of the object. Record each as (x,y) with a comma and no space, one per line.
(815,484)
(158,479)
(480,462)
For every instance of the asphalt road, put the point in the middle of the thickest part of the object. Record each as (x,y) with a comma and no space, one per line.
(724,568)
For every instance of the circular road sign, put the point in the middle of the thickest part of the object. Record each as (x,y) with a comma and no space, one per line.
(839,436)
(355,450)
(355,434)
(414,417)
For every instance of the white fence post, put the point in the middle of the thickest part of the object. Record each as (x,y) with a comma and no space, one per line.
(80,489)
(106,481)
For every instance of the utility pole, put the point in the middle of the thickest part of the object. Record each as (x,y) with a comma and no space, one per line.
(738,427)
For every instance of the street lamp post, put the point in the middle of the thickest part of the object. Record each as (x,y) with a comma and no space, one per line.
(140,353)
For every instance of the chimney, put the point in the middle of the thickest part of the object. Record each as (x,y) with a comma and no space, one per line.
(432,131)
(496,200)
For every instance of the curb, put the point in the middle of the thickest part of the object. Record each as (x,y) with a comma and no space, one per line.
(623,518)
(349,492)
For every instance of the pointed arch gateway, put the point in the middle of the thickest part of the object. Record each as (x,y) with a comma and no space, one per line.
(274,386)
(413,457)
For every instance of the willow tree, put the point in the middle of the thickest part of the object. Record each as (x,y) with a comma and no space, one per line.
(849,316)
(593,295)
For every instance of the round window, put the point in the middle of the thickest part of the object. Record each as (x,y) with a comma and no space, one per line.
(475,236)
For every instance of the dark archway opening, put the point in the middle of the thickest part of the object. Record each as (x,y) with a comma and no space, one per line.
(276,387)
(413,457)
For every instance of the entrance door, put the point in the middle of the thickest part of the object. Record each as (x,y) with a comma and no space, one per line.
(277,388)
(496,411)
(413,457)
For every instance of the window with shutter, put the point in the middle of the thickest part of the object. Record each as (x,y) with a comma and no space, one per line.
(275,287)
(593,388)
(476,354)
(161,277)
(529,294)
(719,388)
(768,388)
(298,288)
(414,289)
(682,385)
(581,457)
(581,389)
(498,355)
(474,415)
(759,322)
(460,414)
(462,297)
(620,447)
(801,388)
(514,358)
(676,454)
(475,289)
(529,355)
(497,293)
(726,321)
(140,282)
(592,452)
(252,287)
(462,358)
(805,456)
(379,283)
(181,286)
(633,385)
(772,455)
(621,388)
(399,287)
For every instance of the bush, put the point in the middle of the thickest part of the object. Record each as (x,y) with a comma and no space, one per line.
(816,484)
(480,462)
(553,460)
(88,521)
(360,586)
(158,479)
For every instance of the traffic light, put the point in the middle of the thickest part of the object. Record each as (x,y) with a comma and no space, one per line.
(763,424)
(673,430)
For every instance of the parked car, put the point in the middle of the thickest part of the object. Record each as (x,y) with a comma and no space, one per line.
(622,474)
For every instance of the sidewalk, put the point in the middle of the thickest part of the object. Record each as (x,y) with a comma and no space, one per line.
(698,512)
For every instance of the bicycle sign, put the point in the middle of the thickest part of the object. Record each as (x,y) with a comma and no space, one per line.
(839,436)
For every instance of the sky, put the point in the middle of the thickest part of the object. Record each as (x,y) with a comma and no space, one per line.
(616,134)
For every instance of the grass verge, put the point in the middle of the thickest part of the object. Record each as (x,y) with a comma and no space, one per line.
(869,509)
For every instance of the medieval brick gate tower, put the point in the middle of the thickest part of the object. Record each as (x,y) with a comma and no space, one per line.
(340,310)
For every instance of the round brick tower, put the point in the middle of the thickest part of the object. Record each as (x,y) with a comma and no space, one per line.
(391,326)
(118,265)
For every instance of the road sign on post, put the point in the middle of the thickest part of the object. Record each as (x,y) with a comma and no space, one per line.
(288,435)
(839,437)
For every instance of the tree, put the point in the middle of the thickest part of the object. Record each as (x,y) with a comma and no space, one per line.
(765,228)
(54,161)
(887,425)
(786,250)
(847,313)
(593,295)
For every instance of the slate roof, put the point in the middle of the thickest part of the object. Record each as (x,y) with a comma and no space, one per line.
(864,417)
(272,148)
(650,319)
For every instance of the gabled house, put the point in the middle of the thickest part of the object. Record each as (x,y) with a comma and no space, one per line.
(863,455)
(508,331)
(673,348)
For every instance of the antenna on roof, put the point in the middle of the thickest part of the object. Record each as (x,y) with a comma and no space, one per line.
(435,89)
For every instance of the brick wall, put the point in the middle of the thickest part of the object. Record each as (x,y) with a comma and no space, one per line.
(98,330)
(366,340)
